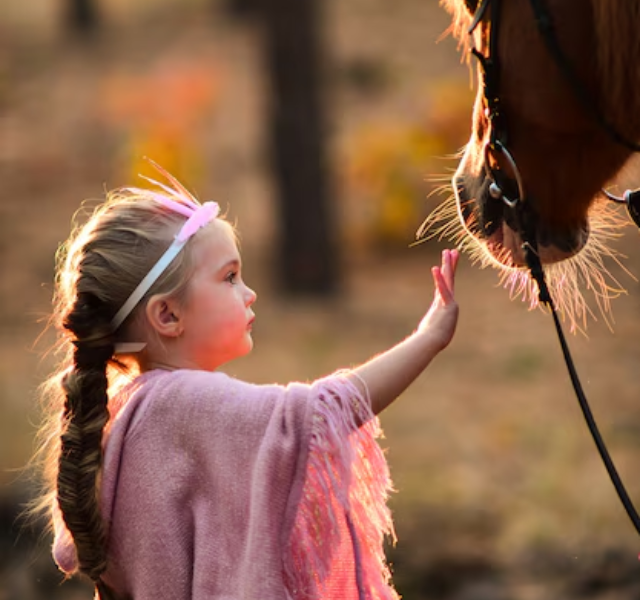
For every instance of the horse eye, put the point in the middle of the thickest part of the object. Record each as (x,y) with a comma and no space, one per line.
(472,6)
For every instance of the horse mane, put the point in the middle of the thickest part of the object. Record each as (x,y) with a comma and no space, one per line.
(460,22)
(618,58)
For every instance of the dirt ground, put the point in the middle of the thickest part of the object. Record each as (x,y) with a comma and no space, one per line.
(500,492)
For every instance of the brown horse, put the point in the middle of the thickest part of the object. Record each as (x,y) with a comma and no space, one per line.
(563,154)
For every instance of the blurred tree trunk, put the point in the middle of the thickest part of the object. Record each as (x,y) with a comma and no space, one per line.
(308,252)
(241,8)
(82,16)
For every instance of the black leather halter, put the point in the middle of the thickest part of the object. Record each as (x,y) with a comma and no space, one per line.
(507,185)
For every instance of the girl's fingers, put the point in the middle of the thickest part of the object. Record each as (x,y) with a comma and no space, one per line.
(455,256)
(449,263)
(437,275)
(444,276)
(443,290)
(446,263)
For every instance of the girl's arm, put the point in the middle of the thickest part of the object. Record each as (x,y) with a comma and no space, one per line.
(390,373)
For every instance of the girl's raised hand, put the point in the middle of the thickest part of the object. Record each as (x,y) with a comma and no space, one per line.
(388,374)
(440,321)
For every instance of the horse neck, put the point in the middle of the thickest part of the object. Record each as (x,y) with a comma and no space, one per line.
(618,62)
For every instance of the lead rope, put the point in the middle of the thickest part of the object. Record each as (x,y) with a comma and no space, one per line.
(537,272)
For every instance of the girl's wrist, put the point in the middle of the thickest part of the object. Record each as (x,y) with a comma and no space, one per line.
(432,341)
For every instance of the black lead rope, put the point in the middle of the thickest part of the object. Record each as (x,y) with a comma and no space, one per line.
(537,272)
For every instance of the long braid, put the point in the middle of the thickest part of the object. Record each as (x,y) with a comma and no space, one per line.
(85,415)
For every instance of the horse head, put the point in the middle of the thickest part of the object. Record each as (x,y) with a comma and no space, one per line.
(555,144)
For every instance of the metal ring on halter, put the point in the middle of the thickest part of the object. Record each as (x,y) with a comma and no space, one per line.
(618,199)
(631,198)
(497,145)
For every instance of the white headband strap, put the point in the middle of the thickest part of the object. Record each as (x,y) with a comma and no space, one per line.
(199,217)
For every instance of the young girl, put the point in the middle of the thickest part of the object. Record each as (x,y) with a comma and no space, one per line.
(169,480)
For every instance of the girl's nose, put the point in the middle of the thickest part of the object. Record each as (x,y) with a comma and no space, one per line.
(249,296)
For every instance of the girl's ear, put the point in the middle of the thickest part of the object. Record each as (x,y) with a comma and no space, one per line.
(164,315)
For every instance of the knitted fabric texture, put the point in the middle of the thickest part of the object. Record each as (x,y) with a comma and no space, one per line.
(213,488)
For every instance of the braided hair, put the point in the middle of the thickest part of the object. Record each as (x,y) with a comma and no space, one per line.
(85,414)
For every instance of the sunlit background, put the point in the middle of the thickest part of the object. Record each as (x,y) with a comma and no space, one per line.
(500,493)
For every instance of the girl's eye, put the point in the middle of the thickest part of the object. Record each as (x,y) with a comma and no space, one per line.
(231,277)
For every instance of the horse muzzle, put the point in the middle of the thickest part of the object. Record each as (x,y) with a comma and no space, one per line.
(494,224)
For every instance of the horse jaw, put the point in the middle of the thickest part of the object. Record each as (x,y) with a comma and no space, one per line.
(506,247)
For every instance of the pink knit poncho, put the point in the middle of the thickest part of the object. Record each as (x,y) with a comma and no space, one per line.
(216,489)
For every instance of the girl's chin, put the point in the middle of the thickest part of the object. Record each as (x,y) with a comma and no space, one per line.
(248,346)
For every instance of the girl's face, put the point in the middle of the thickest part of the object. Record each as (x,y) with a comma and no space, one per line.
(217,315)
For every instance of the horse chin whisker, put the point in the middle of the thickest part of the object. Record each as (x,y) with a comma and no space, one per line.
(566,280)
(439,190)
(588,271)
(443,181)
(456,156)
(441,223)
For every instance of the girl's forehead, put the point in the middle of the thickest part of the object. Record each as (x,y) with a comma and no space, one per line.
(216,244)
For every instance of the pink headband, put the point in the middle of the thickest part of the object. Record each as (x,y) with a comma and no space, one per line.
(198,215)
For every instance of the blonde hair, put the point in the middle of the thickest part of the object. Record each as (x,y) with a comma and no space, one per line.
(96,270)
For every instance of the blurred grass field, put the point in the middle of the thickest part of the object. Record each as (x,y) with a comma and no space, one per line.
(500,492)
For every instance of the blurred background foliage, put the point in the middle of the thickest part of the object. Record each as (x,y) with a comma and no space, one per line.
(500,493)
